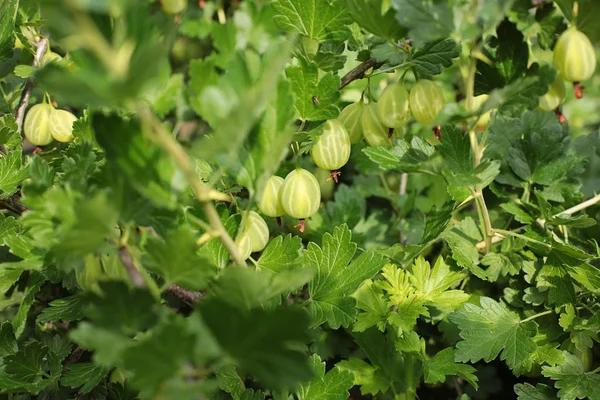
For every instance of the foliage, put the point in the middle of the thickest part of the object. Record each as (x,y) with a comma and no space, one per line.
(454,260)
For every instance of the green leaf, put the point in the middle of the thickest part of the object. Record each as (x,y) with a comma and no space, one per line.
(176,259)
(490,329)
(526,391)
(138,159)
(159,354)
(120,308)
(585,20)
(376,309)
(426,22)
(11,173)
(107,345)
(282,253)
(434,56)
(322,20)
(36,280)
(66,309)
(372,16)
(7,25)
(371,379)
(267,343)
(26,364)
(306,85)
(336,277)
(8,342)
(462,238)
(333,385)
(572,380)
(442,364)
(403,156)
(86,374)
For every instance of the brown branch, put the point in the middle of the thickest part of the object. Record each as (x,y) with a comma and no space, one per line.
(41,44)
(359,72)
(134,274)
(187,296)
(73,358)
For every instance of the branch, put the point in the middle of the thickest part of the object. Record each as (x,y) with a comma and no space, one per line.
(41,44)
(187,296)
(204,194)
(73,358)
(132,271)
(359,72)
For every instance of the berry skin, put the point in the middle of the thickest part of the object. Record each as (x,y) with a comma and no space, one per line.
(244,244)
(300,194)
(173,6)
(61,125)
(270,202)
(350,117)
(332,149)
(554,97)
(256,228)
(36,126)
(426,101)
(393,106)
(574,56)
(326,183)
(375,133)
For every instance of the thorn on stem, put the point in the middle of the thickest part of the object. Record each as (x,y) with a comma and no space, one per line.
(300,226)
(333,175)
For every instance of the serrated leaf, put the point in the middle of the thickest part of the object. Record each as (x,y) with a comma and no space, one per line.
(426,22)
(8,342)
(333,385)
(282,253)
(371,379)
(442,364)
(176,259)
(26,364)
(370,299)
(572,380)
(372,16)
(11,173)
(433,57)
(322,20)
(36,280)
(462,238)
(336,277)
(306,85)
(107,345)
(490,329)
(66,309)
(526,391)
(87,375)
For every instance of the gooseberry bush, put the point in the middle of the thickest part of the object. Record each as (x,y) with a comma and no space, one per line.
(299,199)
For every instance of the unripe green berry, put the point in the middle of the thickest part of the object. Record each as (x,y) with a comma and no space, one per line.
(574,56)
(270,202)
(554,97)
(393,106)
(173,6)
(332,149)
(350,117)
(61,125)
(326,183)
(243,242)
(36,126)
(375,133)
(257,230)
(300,194)
(426,101)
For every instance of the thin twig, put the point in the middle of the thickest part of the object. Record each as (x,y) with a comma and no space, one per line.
(41,44)
(132,271)
(73,358)
(402,192)
(187,296)
(359,72)
(574,209)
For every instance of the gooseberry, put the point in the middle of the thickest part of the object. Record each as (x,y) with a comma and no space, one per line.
(257,230)
(332,149)
(554,97)
(350,117)
(243,242)
(574,56)
(36,126)
(426,101)
(173,6)
(300,194)
(61,125)
(393,106)
(375,133)
(270,202)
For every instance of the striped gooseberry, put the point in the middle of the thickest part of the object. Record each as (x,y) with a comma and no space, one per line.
(36,126)
(243,242)
(375,133)
(574,56)
(332,149)
(554,97)
(173,6)
(270,202)
(257,230)
(61,125)
(326,183)
(300,194)
(350,117)
(393,106)
(426,101)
